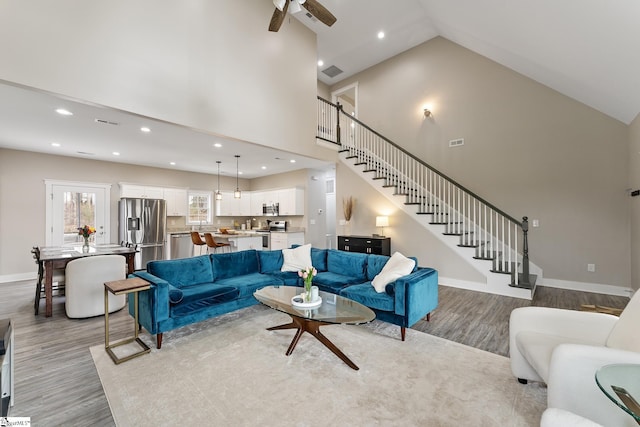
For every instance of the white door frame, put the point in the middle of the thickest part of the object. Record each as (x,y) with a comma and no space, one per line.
(347,88)
(105,236)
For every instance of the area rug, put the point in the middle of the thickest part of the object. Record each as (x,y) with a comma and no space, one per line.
(232,371)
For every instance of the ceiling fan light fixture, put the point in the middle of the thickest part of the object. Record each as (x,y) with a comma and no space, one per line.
(279,4)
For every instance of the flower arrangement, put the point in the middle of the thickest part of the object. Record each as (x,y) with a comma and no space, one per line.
(86,231)
(307,275)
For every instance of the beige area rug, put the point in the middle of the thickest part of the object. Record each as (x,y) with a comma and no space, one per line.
(232,371)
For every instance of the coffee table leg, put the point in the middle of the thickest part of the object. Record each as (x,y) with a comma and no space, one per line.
(312,327)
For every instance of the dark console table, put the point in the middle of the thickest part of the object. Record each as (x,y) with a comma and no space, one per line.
(365,244)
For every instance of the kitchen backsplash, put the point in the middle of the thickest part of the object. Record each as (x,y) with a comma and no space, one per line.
(179,223)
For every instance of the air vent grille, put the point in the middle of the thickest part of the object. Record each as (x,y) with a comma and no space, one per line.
(456,142)
(332,71)
(106,122)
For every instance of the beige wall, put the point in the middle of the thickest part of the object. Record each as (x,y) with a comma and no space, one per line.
(407,236)
(22,196)
(634,184)
(209,65)
(528,149)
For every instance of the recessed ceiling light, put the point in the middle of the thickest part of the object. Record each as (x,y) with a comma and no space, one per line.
(115,153)
(217,145)
(292,161)
(381,34)
(239,173)
(145,129)
(172,163)
(320,62)
(55,144)
(263,167)
(64,112)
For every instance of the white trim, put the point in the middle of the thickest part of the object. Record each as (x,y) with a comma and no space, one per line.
(49,183)
(597,288)
(6,278)
(326,144)
(344,89)
(487,288)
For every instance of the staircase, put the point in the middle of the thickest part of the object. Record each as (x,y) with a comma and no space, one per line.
(490,240)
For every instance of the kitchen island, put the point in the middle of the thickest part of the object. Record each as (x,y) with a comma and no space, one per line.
(239,241)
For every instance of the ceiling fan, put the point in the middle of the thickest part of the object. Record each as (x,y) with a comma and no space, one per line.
(315,8)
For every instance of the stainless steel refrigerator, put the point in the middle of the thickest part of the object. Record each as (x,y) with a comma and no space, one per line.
(143,224)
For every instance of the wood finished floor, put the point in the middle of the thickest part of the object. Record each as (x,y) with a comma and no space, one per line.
(57,384)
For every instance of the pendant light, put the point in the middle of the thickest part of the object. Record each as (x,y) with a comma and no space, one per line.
(218,193)
(237,194)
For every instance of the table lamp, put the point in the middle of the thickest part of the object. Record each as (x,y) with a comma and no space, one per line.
(382,222)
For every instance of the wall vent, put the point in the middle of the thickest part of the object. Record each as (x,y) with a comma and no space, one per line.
(106,122)
(332,71)
(456,142)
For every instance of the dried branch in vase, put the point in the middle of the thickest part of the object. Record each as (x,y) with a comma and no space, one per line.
(347,208)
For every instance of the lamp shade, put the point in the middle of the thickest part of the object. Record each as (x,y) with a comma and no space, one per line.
(382,221)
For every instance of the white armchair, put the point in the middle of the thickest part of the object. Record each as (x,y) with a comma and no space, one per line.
(565,348)
(85,278)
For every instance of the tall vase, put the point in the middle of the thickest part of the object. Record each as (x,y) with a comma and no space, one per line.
(307,290)
(85,245)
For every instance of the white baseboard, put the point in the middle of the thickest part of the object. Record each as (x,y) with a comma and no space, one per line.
(503,290)
(597,288)
(18,277)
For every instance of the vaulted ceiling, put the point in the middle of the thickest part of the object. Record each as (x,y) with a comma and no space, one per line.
(585,49)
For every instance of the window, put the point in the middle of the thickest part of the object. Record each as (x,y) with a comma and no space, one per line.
(200,211)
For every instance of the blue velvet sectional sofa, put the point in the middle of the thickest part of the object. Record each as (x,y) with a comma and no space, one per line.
(185,291)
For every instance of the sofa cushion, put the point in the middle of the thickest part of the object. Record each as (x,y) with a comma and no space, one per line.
(319,259)
(233,264)
(296,259)
(249,283)
(270,261)
(624,335)
(375,264)
(183,272)
(215,295)
(347,264)
(329,281)
(397,266)
(365,294)
(289,278)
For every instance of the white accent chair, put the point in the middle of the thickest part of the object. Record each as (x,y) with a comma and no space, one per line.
(554,417)
(565,348)
(85,278)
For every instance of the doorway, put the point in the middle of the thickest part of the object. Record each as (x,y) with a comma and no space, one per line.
(71,205)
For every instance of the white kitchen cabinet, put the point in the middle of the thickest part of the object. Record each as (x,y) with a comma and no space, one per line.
(257,199)
(285,240)
(230,206)
(177,201)
(141,191)
(243,243)
(291,201)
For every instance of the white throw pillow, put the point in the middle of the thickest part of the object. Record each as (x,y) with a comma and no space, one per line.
(397,266)
(296,259)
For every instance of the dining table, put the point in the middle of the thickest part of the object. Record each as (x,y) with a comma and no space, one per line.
(53,257)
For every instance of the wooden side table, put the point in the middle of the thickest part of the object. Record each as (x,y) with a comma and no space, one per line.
(119,287)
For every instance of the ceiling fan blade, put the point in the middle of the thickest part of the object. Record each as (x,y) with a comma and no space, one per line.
(278,18)
(320,12)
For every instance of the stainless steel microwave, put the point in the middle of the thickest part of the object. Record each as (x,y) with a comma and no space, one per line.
(272,209)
